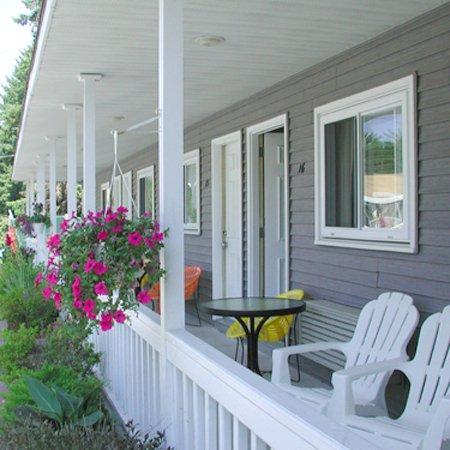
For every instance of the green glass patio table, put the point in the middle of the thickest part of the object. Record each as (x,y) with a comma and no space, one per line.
(257,310)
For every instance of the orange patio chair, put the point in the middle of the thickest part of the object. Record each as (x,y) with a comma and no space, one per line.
(192,276)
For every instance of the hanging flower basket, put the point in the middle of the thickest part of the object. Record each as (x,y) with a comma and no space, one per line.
(94,263)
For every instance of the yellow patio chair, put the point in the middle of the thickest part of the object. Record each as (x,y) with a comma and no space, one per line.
(277,328)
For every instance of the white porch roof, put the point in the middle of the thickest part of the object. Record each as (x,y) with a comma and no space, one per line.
(266,41)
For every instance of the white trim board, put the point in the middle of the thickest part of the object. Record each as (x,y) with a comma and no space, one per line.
(148,171)
(216,209)
(193,157)
(252,200)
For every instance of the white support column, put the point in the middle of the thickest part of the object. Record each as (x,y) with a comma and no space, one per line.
(170,94)
(89,165)
(52,183)
(30,196)
(71,188)
(40,182)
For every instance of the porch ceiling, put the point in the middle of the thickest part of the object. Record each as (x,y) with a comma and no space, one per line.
(266,41)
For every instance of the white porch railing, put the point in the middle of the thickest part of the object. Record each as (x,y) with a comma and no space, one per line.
(202,399)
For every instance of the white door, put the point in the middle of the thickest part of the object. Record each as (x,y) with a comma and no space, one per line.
(274,214)
(127,186)
(227,216)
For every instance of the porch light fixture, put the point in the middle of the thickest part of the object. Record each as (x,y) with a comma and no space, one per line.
(209,40)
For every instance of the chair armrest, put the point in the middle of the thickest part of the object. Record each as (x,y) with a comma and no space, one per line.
(436,431)
(280,356)
(342,402)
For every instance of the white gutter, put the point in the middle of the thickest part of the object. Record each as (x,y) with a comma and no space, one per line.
(44,28)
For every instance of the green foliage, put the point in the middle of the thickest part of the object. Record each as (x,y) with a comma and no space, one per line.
(18,394)
(78,354)
(27,434)
(16,352)
(63,408)
(10,114)
(21,302)
(31,17)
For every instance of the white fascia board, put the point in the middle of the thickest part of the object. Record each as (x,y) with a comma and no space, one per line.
(44,28)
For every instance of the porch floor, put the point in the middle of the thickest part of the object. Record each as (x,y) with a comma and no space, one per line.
(212,334)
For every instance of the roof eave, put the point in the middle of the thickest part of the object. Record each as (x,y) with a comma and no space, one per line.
(45,18)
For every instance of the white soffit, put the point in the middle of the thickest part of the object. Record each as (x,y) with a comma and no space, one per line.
(265,42)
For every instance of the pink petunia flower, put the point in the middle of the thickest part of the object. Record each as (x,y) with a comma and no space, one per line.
(89,305)
(149,242)
(119,316)
(110,217)
(144,297)
(102,235)
(54,241)
(89,265)
(122,210)
(77,303)
(100,288)
(47,292)
(57,299)
(52,278)
(158,237)
(64,226)
(91,315)
(100,268)
(38,279)
(106,321)
(135,238)
(117,228)
(76,286)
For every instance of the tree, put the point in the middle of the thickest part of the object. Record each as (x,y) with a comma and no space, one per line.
(12,194)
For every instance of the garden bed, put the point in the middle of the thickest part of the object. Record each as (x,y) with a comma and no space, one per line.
(53,399)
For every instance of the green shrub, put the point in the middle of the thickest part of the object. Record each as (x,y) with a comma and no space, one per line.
(20,301)
(78,354)
(26,434)
(17,351)
(66,378)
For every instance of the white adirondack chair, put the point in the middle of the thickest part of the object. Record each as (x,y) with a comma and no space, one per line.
(425,422)
(383,331)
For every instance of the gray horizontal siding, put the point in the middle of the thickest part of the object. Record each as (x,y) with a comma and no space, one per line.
(348,276)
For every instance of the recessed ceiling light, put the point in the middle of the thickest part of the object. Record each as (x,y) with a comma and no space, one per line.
(209,40)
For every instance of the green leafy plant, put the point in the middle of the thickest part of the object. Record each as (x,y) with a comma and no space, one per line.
(18,394)
(63,408)
(27,433)
(21,301)
(39,215)
(17,351)
(78,354)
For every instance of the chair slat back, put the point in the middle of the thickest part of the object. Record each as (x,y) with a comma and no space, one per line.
(383,331)
(429,371)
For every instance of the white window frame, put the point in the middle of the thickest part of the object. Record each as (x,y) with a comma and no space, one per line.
(192,157)
(105,187)
(397,93)
(147,172)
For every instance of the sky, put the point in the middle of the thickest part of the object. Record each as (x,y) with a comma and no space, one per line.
(13,37)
